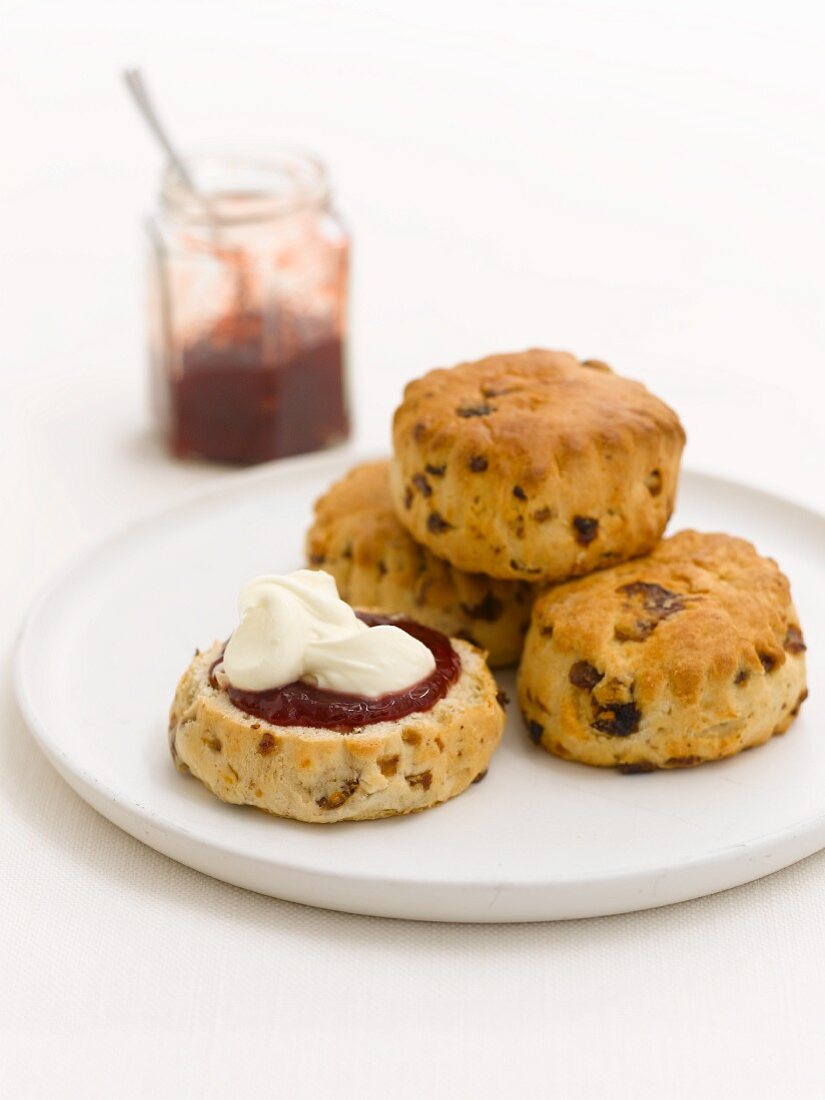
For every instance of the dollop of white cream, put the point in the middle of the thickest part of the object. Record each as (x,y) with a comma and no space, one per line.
(296,627)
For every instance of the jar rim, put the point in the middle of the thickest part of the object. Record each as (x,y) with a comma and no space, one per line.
(261,183)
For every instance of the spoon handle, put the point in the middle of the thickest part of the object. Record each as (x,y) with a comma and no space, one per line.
(137,86)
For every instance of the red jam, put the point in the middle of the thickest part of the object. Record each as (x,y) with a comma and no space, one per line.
(236,401)
(300,704)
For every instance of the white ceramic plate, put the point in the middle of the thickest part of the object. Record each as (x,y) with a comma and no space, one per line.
(539,839)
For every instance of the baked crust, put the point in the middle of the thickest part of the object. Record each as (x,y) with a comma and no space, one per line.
(320,775)
(357,537)
(688,655)
(534,466)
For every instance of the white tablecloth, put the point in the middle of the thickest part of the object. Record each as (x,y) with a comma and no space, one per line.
(643,186)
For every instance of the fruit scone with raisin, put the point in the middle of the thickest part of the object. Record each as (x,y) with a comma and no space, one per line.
(534,466)
(357,537)
(688,655)
(316,712)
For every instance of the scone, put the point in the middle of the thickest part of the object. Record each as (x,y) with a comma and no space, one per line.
(534,466)
(356,536)
(688,655)
(320,775)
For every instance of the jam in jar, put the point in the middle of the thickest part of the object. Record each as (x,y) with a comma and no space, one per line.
(248,291)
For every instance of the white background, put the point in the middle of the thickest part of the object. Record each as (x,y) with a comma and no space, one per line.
(642,183)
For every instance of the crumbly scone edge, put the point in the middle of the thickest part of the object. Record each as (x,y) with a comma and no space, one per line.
(318,775)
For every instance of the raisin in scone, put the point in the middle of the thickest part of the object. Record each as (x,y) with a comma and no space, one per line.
(319,774)
(534,466)
(356,536)
(688,655)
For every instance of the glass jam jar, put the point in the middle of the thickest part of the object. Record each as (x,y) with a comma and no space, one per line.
(247,309)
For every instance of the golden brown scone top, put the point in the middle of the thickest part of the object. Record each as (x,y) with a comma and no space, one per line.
(707,608)
(527,411)
(534,466)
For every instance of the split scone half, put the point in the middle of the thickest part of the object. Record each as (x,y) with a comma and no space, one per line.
(357,537)
(534,466)
(318,774)
(688,655)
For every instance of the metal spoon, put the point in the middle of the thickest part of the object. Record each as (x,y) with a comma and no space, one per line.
(137,86)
